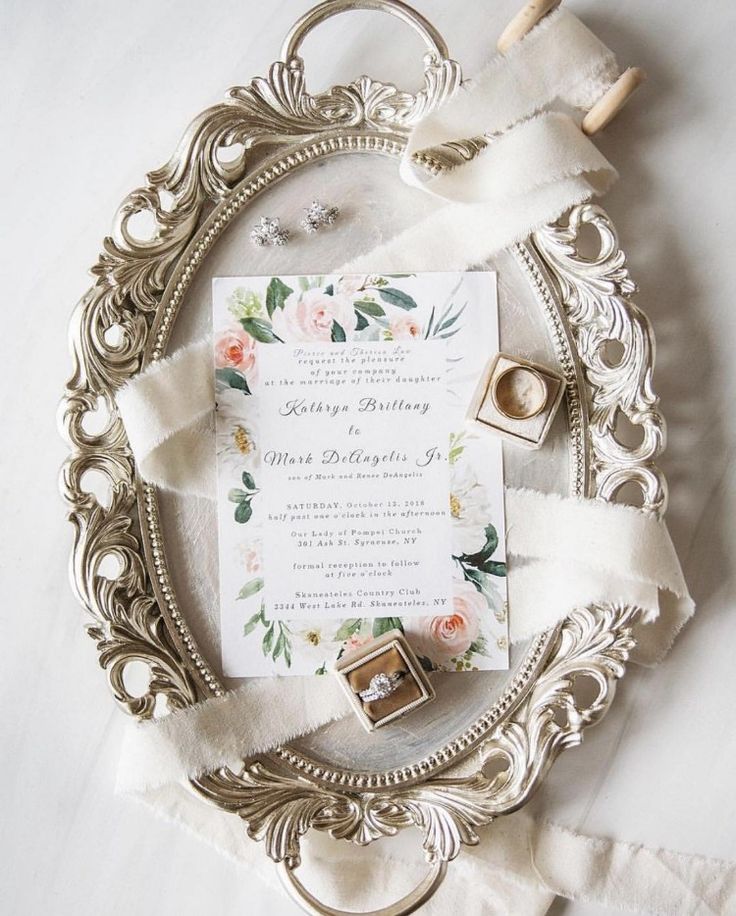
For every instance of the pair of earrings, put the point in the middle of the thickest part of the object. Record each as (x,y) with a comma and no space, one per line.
(269,231)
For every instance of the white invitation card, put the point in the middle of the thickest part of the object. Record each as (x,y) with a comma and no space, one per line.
(351,497)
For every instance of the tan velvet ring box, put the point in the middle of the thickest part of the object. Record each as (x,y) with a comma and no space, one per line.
(501,403)
(392,656)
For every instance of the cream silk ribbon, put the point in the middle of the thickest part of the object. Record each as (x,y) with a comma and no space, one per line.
(520,866)
(560,63)
(168,414)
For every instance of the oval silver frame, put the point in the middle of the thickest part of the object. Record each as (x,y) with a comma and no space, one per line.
(123,323)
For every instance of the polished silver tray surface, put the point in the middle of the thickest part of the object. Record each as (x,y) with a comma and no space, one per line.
(603,345)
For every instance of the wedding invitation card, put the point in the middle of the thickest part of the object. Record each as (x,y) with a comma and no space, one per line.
(351,498)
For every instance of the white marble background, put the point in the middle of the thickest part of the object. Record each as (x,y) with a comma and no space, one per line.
(94,93)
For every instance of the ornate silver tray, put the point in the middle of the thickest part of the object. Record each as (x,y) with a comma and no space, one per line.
(507,730)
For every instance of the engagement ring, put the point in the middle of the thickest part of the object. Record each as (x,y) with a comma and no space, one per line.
(381,686)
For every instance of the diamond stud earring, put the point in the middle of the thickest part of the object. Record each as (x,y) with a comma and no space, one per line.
(269,232)
(318,215)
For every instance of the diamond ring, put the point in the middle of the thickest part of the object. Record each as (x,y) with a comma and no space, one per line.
(381,686)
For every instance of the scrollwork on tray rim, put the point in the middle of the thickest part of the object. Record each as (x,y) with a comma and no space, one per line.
(279,808)
(596,294)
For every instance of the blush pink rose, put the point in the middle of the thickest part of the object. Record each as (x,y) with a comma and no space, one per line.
(443,638)
(355,642)
(309,316)
(405,328)
(235,349)
(252,557)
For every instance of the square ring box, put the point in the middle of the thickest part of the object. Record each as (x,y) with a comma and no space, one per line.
(516,399)
(390,677)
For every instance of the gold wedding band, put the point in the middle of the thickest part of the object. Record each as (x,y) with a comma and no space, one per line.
(520,393)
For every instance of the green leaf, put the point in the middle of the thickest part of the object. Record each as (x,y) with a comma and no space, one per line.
(248,480)
(486,552)
(276,293)
(338,334)
(382,625)
(279,647)
(303,284)
(330,290)
(267,640)
(243,512)
(451,320)
(474,576)
(287,653)
(322,669)
(348,627)
(494,568)
(426,663)
(362,321)
(260,330)
(369,307)
(252,624)
(479,646)
(237,496)
(442,317)
(491,541)
(396,297)
(231,378)
(429,325)
(480,580)
(251,588)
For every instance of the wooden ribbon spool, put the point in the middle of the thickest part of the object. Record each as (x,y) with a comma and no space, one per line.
(611,102)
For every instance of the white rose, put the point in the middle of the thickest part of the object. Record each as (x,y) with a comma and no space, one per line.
(470,512)
(351,285)
(237,433)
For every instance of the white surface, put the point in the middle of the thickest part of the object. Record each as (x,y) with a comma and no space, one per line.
(95,94)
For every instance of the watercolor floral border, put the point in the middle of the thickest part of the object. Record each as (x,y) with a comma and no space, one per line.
(349,308)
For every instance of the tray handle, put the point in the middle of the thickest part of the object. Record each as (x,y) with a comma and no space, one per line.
(436,46)
(408,904)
